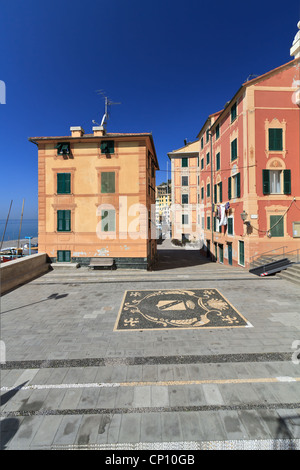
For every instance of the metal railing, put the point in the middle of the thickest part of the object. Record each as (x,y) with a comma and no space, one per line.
(260,255)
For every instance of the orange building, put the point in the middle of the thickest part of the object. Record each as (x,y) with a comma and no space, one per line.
(95,193)
(249,178)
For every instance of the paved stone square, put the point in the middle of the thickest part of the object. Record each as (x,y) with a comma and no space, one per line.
(72,380)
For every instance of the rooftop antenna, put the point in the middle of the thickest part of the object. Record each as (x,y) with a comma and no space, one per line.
(108,103)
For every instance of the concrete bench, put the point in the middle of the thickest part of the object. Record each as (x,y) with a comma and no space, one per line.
(101,262)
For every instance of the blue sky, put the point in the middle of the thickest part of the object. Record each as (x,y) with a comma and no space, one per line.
(169,63)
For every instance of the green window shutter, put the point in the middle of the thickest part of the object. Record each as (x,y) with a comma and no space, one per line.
(63,256)
(208,223)
(202,163)
(218,161)
(233,112)
(60,183)
(220,191)
(241,253)
(107,146)
(60,220)
(234,149)
(207,158)
(215,223)
(184,162)
(208,190)
(215,193)
(277,230)
(63,183)
(202,192)
(107,182)
(67,221)
(201,143)
(229,187)
(275,139)
(287,181)
(63,220)
(266,181)
(230,226)
(217,131)
(238,185)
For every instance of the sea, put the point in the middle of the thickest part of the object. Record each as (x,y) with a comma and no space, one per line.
(29,228)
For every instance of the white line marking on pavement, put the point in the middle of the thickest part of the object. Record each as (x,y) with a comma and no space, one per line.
(153,384)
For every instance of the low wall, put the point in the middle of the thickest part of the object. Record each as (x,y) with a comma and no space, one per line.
(19,271)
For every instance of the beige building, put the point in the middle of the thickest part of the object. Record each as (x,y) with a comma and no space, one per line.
(95,193)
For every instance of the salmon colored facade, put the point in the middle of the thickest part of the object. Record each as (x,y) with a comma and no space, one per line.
(95,193)
(249,170)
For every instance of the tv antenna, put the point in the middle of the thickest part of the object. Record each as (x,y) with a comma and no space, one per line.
(108,103)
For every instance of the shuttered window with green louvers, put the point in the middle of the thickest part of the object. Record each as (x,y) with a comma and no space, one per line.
(276,224)
(64,221)
(63,256)
(63,148)
(107,146)
(275,139)
(63,183)
(108,182)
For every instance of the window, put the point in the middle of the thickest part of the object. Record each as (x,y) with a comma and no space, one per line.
(108,220)
(63,183)
(233,112)
(107,182)
(185,219)
(234,186)
(184,199)
(207,135)
(208,190)
(202,163)
(63,148)
(202,143)
(184,162)
(276,226)
(275,139)
(202,193)
(218,192)
(217,131)
(230,226)
(64,221)
(207,158)
(184,181)
(107,146)
(276,181)
(208,222)
(234,150)
(218,161)
(63,256)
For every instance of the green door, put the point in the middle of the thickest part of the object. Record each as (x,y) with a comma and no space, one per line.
(241,253)
(230,253)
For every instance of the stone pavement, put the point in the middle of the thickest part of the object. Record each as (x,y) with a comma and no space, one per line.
(72,381)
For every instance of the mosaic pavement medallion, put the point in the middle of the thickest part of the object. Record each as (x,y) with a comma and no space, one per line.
(177,308)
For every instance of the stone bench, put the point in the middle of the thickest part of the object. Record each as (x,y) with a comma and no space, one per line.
(101,262)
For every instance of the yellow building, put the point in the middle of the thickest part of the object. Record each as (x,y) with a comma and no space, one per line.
(95,193)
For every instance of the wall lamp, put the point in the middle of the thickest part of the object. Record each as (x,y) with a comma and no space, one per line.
(244,216)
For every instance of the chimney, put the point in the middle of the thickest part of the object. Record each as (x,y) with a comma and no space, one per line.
(99,131)
(295,49)
(76,131)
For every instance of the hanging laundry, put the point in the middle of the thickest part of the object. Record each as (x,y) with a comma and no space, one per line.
(223,217)
(227,206)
